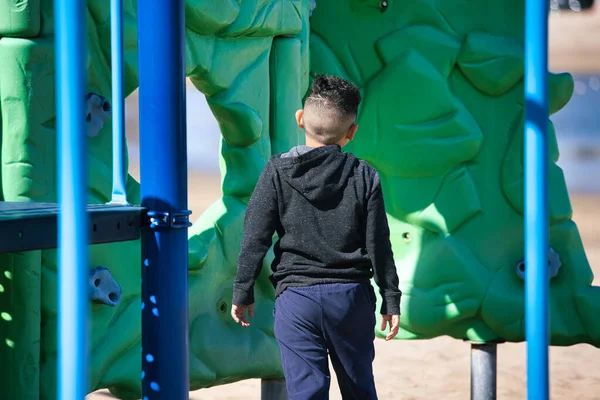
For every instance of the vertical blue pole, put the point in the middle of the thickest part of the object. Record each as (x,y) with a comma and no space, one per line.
(71,74)
(119,192)
(161,44)
(536,198)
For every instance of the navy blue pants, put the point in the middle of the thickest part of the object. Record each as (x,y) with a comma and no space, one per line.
(335,319)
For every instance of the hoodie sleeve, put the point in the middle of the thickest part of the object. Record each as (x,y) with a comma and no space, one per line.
(379,249)
(260,223)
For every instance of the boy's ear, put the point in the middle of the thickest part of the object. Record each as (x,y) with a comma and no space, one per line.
(352,132)
(300,118)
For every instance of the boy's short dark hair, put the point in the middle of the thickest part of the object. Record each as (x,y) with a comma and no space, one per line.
(330,108)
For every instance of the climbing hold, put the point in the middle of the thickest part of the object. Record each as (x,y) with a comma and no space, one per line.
(553,265)
(104,288)
(98,112)
(222,307)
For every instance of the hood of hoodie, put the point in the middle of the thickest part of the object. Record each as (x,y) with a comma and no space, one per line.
(317,174)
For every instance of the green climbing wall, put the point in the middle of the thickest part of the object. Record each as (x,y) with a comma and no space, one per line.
(442,121)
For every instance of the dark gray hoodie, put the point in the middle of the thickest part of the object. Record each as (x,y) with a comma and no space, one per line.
(327,209)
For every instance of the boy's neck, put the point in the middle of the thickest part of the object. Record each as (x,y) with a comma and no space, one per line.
(310,142)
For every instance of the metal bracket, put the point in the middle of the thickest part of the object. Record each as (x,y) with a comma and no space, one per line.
(169,220)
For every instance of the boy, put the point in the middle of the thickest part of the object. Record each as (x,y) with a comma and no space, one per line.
(327,209)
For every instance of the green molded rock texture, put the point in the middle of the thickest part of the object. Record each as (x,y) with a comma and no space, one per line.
(442,121)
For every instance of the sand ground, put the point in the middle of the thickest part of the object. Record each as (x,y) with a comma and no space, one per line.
(439,368)
(573,41)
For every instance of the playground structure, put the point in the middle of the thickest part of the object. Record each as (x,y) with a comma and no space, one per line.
(442,116)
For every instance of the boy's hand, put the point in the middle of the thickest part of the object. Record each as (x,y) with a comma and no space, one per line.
(238,313)
(394,322)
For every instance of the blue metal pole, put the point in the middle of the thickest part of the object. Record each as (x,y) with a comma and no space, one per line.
(162,99)
(119,192)
(71,76)
(536,198)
